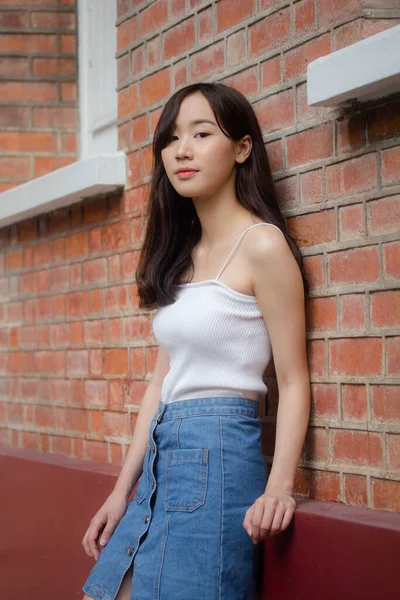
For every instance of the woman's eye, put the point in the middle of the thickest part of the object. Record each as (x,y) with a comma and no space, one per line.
(202,133)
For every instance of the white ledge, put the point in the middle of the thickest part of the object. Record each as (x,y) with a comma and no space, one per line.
(363,71)
(98,174)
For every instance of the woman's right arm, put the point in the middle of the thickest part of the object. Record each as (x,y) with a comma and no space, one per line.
(107,518)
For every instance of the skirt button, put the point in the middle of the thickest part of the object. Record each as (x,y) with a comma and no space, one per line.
(145,519)
(129,550)
(152,484)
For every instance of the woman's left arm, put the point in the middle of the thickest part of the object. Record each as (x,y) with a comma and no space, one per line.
(279,290)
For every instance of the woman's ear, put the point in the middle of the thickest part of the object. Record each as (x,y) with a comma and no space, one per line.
(243,148)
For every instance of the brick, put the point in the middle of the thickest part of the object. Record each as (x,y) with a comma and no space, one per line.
(137,60)
(384,122)
(153,18)
(115,236)
(385,495)
(309,145)
(95,271)
(385,405)
(179,39)
(286,192)
(315,446)
(316,357)
(68,91)
(393,445)
(324,403)
(297,59)
(355,356)
(383,215)
(205,26)
(353,311)
(391,260)
(96,393)
(207,62)
(230,13)
(354,266)
(177,8)
(68,43)
(311,187)
(38,91)
(355,489)
(28,43)
(115,298)
(56,117)
(154,52)
(53,20)
(139,129)
(45,417)
(271,72)
(14,67)
(127,33)
(276,112)
(236,48)
(246,81)
(314,270)
(269,33)
(14,167)
(331,11)
(304,16)
(71,419)
(357,447)
(77,304)
(116,425)
(14,19)
(347,34)
(351,223)
(393,356)
(54,66)
(354,402)
(128,101)
(390,165)
(76,245)
(155,87)
(116,361)
(312,229)
(13,141)
(385,308)
(321,314)
(352,176)
(350,133)
(14,116)
(46,164)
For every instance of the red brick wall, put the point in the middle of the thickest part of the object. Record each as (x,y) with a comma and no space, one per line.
(38,91)
(78,352)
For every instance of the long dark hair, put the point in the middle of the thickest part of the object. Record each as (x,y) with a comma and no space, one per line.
(173,227)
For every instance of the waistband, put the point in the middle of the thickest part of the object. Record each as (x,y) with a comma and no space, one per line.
(225,405)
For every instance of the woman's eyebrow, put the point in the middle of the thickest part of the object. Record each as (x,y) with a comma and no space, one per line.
(198,122)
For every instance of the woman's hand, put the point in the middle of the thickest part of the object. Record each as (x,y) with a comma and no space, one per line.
(104,521)
(270,514)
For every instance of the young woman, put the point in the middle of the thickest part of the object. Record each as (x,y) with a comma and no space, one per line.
(228,283)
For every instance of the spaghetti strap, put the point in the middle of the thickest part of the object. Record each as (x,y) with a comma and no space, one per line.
(230,256)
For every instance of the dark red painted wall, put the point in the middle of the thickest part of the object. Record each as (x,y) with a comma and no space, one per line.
(330,551)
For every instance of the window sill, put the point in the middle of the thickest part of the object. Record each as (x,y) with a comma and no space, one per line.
(98,174)
(363,71)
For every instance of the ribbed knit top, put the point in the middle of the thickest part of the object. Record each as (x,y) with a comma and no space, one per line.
(216,339)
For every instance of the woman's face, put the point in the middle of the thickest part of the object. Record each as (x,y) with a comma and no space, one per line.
(198,143)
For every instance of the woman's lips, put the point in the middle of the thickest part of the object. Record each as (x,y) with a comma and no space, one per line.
(186,174)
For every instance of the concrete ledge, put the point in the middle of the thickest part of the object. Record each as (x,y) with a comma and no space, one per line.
(330,551)
(365,70)
(89,177)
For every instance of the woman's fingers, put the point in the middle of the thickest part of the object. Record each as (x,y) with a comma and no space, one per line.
(85,543)
(93,535)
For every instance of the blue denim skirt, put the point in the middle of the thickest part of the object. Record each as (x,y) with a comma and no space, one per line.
(183,531)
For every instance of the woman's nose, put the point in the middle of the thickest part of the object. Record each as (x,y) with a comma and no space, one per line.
(183,148)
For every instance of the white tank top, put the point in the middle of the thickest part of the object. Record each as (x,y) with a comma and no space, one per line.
(216,339)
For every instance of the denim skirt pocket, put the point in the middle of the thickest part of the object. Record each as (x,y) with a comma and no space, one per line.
(186,479)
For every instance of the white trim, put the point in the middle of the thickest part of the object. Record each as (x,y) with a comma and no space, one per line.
(98,97)
(63,187)
(365,70)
